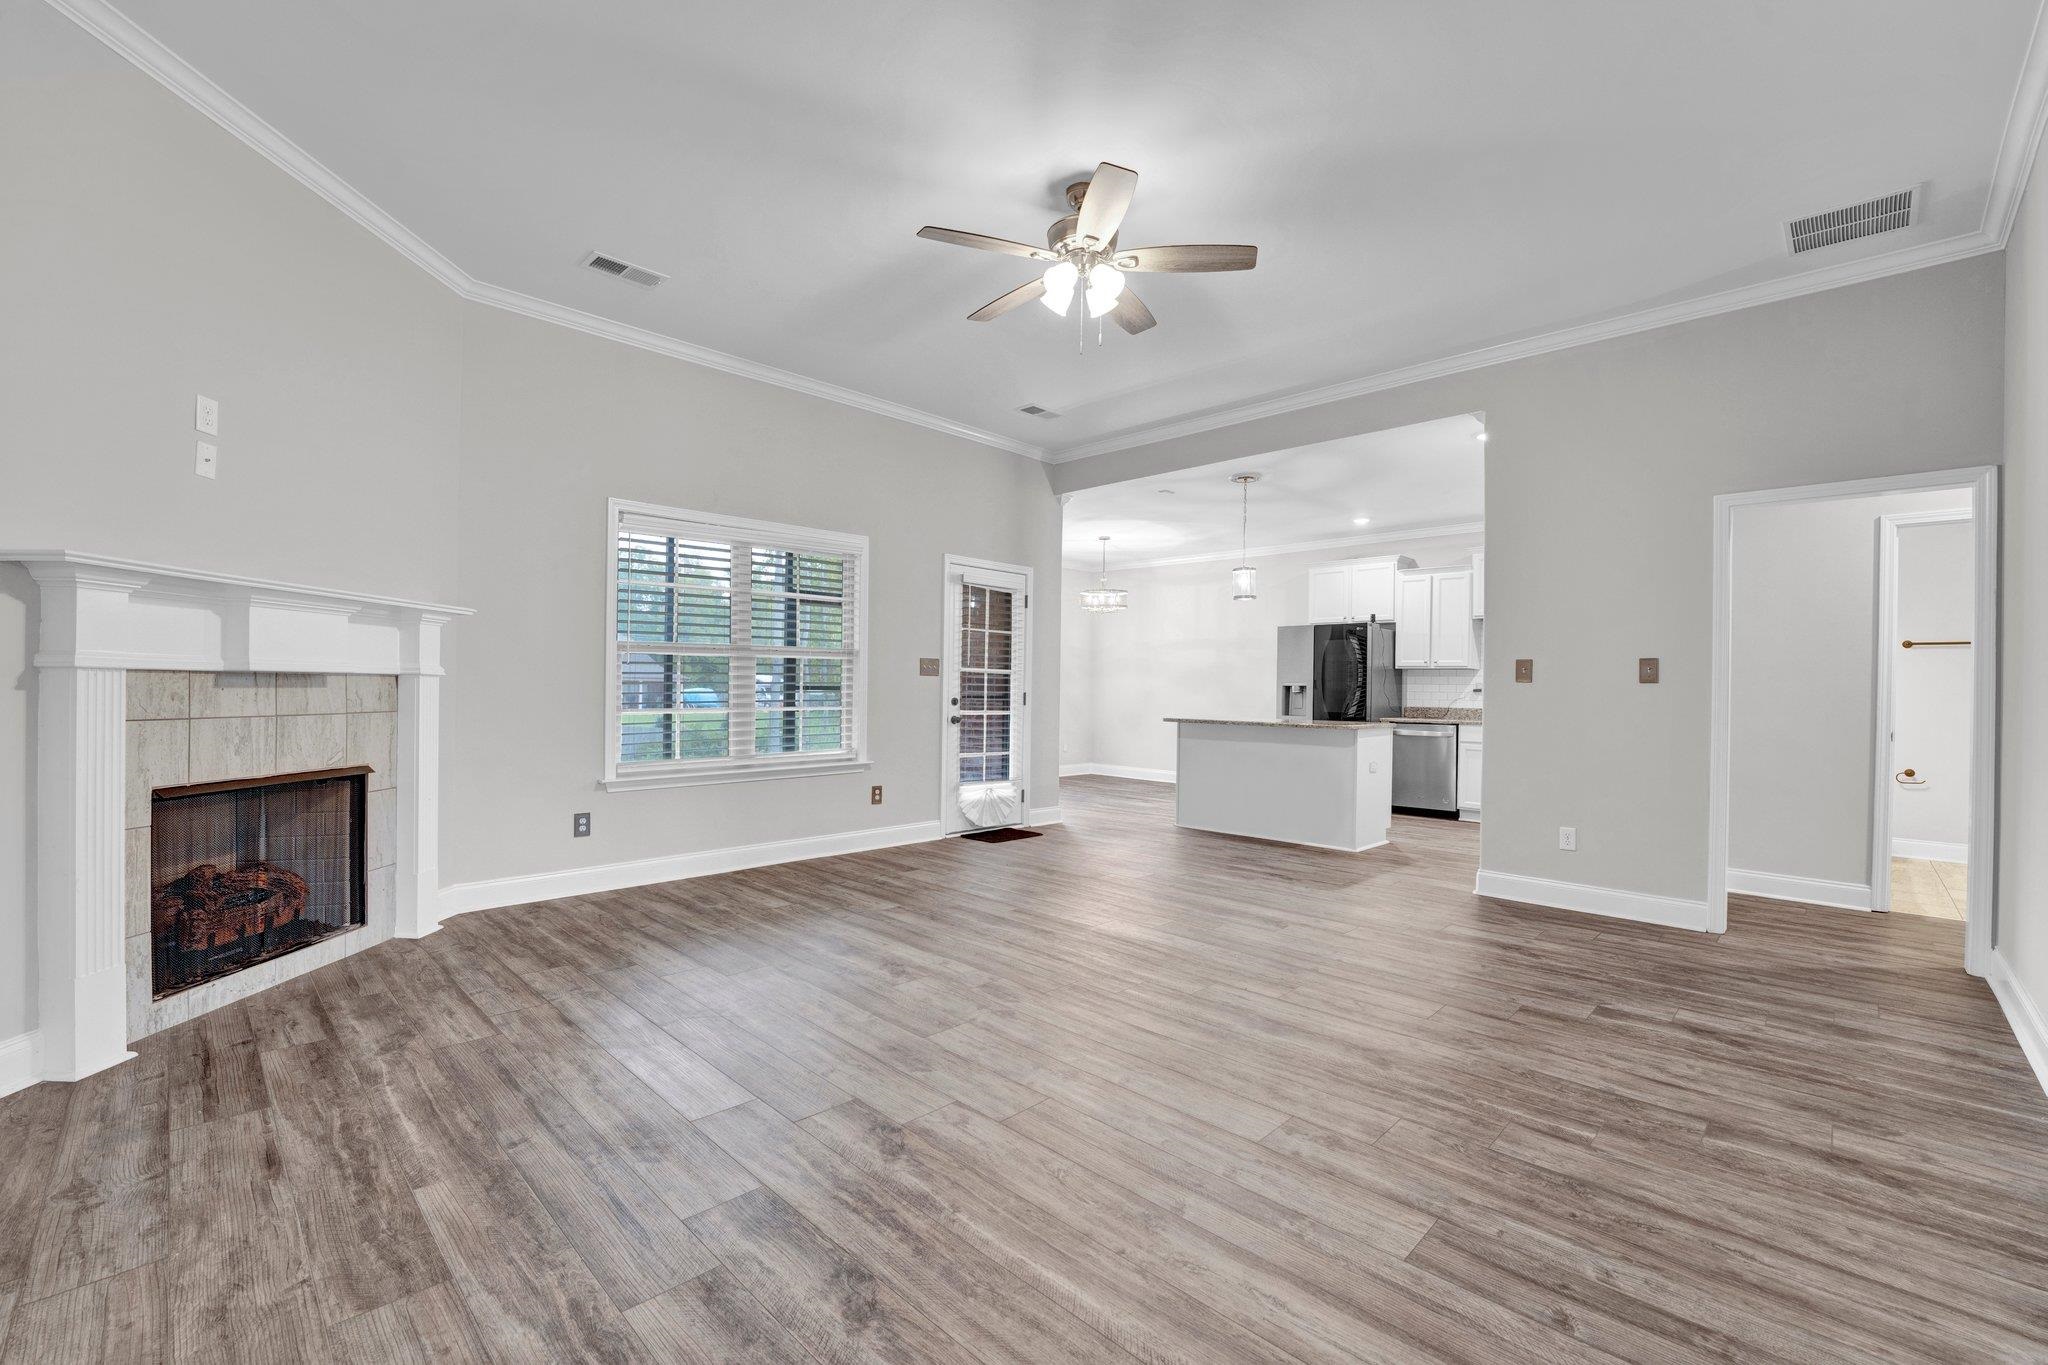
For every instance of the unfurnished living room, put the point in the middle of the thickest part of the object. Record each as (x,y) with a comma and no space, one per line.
(959,683)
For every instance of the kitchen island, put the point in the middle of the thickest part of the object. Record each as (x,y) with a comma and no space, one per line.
(1325,783)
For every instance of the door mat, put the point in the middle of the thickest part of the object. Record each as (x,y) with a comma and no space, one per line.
(1000,836)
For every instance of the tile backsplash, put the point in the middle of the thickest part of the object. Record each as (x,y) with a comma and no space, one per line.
(1446,686)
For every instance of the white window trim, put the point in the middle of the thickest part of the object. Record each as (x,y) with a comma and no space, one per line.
(703,772)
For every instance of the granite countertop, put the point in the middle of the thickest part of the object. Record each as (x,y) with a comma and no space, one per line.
(1444,715)
(1283,724)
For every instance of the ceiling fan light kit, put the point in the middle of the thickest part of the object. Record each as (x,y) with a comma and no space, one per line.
(1082,256)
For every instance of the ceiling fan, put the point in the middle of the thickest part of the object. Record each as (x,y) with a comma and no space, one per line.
(1083,256)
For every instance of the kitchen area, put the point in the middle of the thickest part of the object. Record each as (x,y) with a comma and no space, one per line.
(1308,684)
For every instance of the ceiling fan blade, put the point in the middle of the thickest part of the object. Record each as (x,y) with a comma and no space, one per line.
(1022,294)
(1107,201)
(981,242)
(1131,314)
(1187,258)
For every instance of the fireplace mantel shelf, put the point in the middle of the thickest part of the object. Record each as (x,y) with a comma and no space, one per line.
(100,617)
(124,613)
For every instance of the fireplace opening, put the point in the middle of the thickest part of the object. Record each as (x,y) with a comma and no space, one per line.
(241,872)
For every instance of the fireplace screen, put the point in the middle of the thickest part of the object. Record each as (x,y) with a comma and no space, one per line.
(241,872)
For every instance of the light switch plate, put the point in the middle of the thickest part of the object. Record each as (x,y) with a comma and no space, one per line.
(1646,670)
(1525,670)
(927,668)
(206,415)
(206,460)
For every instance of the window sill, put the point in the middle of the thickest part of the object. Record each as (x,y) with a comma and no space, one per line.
(712,776)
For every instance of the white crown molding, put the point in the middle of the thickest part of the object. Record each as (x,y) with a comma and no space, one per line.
(1585,334)
(2017,146)
(135,43)
(1461,528)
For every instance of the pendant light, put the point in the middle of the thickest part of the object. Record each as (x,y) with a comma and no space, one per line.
(1102,597)
(1244,579)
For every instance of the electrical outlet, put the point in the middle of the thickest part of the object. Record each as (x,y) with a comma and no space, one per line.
(875,795)
(206,415)
(206,461)
(581,829)
(1568,838)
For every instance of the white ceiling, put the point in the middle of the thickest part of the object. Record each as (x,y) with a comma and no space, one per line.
(1421,179)
(1407,480)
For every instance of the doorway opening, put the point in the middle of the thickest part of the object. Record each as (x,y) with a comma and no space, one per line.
(1854,662)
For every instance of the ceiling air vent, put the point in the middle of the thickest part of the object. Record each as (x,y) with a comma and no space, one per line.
(632,274)
(1033,410)
(1887,213)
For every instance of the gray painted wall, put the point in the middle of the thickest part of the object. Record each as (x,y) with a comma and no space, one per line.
(382,435)
(2023,603)
(145,257)
(1803,683)
(1600,477)
(556,422)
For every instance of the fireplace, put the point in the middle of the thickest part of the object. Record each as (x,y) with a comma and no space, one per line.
(242,872)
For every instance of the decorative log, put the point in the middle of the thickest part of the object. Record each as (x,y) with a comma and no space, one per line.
(209,908)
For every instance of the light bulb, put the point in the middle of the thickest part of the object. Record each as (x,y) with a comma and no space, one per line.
(1060,278)
(1105,284)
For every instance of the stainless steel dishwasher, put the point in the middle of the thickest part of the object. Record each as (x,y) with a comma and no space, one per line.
(1426,769)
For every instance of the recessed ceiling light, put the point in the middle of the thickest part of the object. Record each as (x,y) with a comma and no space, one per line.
(1360,521)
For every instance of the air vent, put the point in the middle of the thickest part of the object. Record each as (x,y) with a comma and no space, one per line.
(1887,213)
(1033,410)
(632,274)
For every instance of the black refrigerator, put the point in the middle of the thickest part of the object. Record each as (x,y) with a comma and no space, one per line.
(1339,672)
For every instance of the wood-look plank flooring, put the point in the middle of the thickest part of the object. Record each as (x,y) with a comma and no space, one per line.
(1122,1093)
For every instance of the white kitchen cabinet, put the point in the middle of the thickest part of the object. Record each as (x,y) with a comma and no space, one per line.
(1478,583)
(1329,593)
(1354,590)
(1471,750)
(1433,620)
(1372,589)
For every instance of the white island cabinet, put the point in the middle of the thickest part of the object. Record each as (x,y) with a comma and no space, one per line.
(1329,784)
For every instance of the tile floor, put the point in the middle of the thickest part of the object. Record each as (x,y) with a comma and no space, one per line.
(1921,887)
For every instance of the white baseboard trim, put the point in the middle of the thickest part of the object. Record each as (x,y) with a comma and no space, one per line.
(20,1062)
(2028,1023)
(1930,850)
(1047,815)
(1812,890)
(1115,770)
(582,881)
(1593,900)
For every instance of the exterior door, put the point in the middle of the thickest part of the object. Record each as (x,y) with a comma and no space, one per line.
(986,739)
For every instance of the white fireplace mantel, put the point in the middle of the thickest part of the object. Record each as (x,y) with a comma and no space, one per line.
(101,616)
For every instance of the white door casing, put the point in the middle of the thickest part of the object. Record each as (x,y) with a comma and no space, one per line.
(985,709)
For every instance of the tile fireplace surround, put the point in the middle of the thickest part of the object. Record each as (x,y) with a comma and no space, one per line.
(116,639)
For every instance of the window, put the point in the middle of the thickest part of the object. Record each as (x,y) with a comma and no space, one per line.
(736,651)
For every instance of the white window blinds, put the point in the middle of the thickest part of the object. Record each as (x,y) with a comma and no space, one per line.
(737,645)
